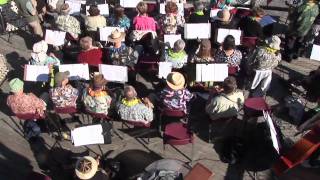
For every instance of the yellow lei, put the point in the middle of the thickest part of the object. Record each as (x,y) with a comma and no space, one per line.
(130,103)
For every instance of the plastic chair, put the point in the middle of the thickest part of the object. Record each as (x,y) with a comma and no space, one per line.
(199,172)
(172,114)
(136,124)
(178,134)
(254,107)
(249,42)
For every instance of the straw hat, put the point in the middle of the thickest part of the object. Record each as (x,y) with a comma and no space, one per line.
(59,77)
(99,81)
(65,8)
(274,42)
(224,15)
(175,80)
(116,36)
(90,167)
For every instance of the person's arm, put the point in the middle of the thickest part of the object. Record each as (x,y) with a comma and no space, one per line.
(31,7)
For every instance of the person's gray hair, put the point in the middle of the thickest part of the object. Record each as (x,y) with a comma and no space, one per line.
(179,45)
(129,92)
(198,6)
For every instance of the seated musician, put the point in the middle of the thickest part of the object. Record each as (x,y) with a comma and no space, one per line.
(204,55)
(119,53)
(96,98)
(177,55)
(227,103)
(131,108)
(39,55)
(24,103)
(250,25)
(63,94)
(119,19)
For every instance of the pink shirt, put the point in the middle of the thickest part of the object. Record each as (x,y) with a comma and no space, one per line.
(144,23)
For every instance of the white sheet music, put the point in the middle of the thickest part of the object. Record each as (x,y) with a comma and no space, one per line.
(75,6)
(53,3)
(77,71)
(214,13)
(104,9)
(114,73)
(171,38)
(220,72)
(164,69)
(273,131)
(211,72)
(197,31)
(180,8)
(315,53)
(129,3)
(55,38)
(36,73)
(106,31)
(87,135)
(222,33)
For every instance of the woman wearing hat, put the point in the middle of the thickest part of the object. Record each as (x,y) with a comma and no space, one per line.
(24,103)
(68,23)
(94,20)
(63,94)
(39,55)
(175,96)
(87,168)
(95,97)
(119,53)
(263,60)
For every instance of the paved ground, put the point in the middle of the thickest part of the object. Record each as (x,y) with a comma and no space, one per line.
(18,156)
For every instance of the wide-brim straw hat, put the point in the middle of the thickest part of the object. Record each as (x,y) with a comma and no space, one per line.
(224,15)
(99,81)
(274,42)
(89,174)
(175,80)
(65,8)
(116,36)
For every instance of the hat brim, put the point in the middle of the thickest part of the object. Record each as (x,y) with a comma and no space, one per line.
(122,36)
(91,173)
(176,86)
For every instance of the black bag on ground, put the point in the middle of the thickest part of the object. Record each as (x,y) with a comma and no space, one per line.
(233,149)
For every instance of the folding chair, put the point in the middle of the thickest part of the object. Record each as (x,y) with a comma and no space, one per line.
(30,117)
(254,107)
(178,134)
(63,111)
(171,114)
(136,124)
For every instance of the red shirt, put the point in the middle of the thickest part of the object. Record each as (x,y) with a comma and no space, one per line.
(93,57)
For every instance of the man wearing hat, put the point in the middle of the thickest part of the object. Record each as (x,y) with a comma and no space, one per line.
(263,60)
(87,167)
(95,97)
(119,53)
(24,103)
(175,96)
(63,94)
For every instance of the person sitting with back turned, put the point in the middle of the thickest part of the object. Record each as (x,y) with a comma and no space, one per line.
(175,96)
(95,97)
(177,55)
(63,94)
(199,15)
(24,103)
(226,104)
(91,55)
(119,19)
(39,55)
(132,108)
(250,25)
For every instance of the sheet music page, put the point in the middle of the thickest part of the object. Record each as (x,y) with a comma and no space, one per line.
(114,73)
(220,72)
(77,71)
(171,38)
(199,72)
(197,30)
(214,13)
(53,3)
(36,73)
(222,33)
(207,72)
(87,135)
(75,6)
(129,3)
(55,38)
(104,9)
(273,131)
(180,8)
(315,53)
(106,31)
(164,69)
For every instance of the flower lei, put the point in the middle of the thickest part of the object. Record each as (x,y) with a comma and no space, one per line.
(176,55)
(94,93)
(130,103)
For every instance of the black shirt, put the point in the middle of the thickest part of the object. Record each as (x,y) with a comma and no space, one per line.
(250,28)
(195,18)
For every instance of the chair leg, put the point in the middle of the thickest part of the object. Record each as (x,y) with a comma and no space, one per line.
(192,153)
(210,132)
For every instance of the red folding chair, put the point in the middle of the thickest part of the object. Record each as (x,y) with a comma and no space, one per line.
(254,107)
(171,113)
(178,134)
(233,70)
(249,42)
(30,116)
(148,64)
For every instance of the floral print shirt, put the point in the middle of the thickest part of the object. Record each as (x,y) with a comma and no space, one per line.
(137,112)
(124,22)
(68,24)
(233,60)
(64,96)
(175,99)
(26,104)
(123,56)
(96,101)
(169,24)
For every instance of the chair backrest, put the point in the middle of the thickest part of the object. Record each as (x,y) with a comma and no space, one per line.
(98,115)
(249,42)
(199,172)
(173,113)
(138,123)
(255,106)
(28,116)
(232,70)
(65,110)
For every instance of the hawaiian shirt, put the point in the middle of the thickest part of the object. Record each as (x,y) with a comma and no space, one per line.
(68,24)
(96,101)
(233,60)
(26,104)
(136,112)
(64,96)
(169,24)
(124,22)
(263,59)
(175,99)
(123,56)
(178,59)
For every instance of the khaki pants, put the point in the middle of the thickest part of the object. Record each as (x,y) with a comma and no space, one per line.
(35,25)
